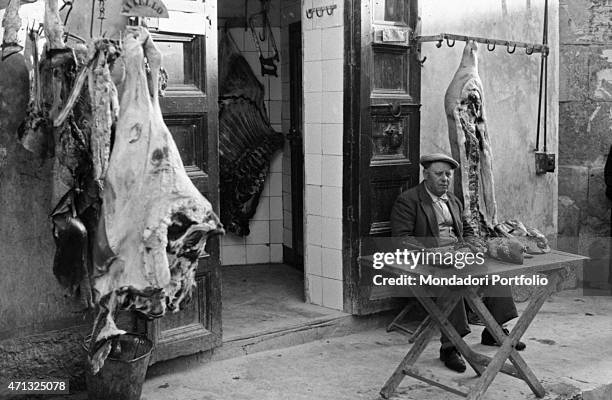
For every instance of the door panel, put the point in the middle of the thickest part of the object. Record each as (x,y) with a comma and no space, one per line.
(385,146)
(190,110)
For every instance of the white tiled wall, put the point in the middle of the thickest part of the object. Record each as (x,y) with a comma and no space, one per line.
(323,43)
(264,243)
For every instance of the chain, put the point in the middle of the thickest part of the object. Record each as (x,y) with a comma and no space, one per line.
(102,15)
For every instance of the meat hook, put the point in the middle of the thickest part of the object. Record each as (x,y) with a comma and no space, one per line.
(309,13)
(439,44)
(508,48)
(319,11)
(448,42)
(422,61)
(489,46)
(330,9)
(529,50)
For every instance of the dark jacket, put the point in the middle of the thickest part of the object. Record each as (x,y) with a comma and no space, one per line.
(414,219)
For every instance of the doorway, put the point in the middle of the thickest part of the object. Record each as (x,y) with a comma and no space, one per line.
(296,145)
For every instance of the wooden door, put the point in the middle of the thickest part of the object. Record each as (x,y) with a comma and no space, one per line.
(383,131)
(296,144)
(190,111)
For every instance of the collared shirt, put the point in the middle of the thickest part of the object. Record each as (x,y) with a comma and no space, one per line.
(444,217)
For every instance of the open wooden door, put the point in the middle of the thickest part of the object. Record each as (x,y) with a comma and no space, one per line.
(382,118)
(190,110)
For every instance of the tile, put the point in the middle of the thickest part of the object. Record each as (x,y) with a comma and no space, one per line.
(276,87)
(287,205)
(230,239)
(312,108)
(286,112)
(332,294)
(276,208)
(287,220)
(274,109)
(276,184)
(312,139)
(312,45)
(314,289)
(276,232)
(312,200)
(312,260)
(257,253)
(233,255)
(336,19)
(333,111)
(287,237)
(266,188)
(276,253)
(332,40)
(331,233)
(276,162)
(313,81)
(313,230)
(331,263)
(332,165)
(260,232)
(286,166)
(331,201)
(263,209)
(312,169)
(332,75)
(286,182)
(332,139)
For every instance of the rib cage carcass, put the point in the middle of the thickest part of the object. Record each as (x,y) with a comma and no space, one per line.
(246,139)
(154,222)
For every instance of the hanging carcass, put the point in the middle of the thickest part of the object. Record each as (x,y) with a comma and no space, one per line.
(246,138)
(154,222)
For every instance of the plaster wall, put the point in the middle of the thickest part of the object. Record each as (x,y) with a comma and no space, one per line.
(585,126)
(510,97)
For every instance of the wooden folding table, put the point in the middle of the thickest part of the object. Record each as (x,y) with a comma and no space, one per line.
(550,265)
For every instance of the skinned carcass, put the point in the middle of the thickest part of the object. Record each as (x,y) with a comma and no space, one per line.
(154,222)
(470,145)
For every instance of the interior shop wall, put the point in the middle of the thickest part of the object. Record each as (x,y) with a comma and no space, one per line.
(510,97)
(41,327)
(323,44)
(585,104)
(264,243)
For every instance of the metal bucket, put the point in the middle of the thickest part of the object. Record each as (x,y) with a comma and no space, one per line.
(123,373)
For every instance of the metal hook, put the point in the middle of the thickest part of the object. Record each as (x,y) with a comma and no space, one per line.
(396,110)
(330,9)
(448,42)
(309,13)
(439,44)
(489,46)
(319,11)
(508,48)
(529,50)
(422,61)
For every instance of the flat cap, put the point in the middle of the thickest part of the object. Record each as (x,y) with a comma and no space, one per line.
(438,157)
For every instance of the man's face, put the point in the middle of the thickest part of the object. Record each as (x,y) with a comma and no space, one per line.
(437,177)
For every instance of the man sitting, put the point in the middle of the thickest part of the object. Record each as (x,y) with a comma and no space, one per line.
(427,215)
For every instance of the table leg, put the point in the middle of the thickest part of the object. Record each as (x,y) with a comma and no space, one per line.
(446,304)
(447,328)
(507,347)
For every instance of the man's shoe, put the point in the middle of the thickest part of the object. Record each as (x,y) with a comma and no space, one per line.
(452,359)
(487,340)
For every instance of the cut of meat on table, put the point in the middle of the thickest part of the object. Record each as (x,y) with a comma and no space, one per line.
(154,223)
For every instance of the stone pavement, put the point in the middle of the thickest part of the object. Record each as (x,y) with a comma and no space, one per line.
(569,347)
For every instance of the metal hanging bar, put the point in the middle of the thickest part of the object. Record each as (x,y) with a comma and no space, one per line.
(530,48)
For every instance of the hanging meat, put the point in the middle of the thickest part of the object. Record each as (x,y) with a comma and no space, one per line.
(154,222)
(246,139)
(11,24)
(75,198)
(473,182)
(470,144)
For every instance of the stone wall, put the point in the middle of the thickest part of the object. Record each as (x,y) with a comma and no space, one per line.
(585,108)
